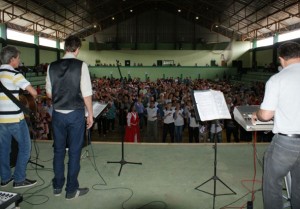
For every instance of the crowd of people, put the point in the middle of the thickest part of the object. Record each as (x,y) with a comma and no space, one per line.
(165,109)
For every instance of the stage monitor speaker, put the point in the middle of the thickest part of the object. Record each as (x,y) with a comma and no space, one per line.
(159,62)
(127,62)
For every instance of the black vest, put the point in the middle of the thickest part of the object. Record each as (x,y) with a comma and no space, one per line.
(65,76)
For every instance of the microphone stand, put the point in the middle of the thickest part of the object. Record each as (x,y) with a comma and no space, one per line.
(122,161)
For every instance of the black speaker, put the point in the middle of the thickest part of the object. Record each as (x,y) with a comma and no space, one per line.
(159,62)
(127,62)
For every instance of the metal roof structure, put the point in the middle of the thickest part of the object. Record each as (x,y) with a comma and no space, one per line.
(245,19)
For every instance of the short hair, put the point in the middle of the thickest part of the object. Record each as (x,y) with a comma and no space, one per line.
(7,53)
(289,50)
(72,43)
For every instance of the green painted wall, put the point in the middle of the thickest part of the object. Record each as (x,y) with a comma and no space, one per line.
(27,55)
(162,72)
(47,56)
(148,57)
(264,57)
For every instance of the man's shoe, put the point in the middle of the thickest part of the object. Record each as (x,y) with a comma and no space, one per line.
(5,183)
(25,183)
(77,193)
(57,192)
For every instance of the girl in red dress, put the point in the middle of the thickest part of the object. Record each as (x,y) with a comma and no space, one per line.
(132,130)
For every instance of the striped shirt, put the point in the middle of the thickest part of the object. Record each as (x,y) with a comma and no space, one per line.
(13,81)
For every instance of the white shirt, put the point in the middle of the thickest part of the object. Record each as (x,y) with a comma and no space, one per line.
(168,116)
(11,81)
(179,120)
(193,122)
(152,113)
(282,96)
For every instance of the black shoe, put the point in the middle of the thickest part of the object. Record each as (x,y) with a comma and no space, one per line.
(77,193)
(25,183)
(5,183)
(57,192)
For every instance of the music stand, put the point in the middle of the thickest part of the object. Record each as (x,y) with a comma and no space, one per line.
(210,105)
(122,161)
(98,109)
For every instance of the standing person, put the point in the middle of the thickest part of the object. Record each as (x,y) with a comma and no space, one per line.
(12,121)
(231,126)
(68,84)
(122,109)
(140,109)
(132,130)
(111,116)
(178,122)
(193,127)
(283,154)
(216,128)
(168,122)
(152,113)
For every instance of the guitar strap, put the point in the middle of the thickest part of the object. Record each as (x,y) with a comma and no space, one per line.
(16,101)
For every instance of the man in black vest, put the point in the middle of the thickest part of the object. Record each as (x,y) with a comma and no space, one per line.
(68,83)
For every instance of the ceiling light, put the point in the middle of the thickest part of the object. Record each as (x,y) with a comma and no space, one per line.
(179,10)
(131,10)
(113,18)
(197,18)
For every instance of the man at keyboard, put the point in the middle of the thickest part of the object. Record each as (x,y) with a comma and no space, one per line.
(282,101)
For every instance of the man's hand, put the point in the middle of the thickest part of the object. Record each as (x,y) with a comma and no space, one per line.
(89,121)
(254,118)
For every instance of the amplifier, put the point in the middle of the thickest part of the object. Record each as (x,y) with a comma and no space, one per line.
(9,200)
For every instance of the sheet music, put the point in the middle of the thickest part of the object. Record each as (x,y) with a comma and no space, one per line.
(97,109)
(211,105)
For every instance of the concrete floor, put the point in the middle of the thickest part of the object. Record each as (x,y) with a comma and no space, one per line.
(167,177)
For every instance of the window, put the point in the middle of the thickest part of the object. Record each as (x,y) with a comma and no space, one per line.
(47,42)
(265,42)
(289,36)
(20,36)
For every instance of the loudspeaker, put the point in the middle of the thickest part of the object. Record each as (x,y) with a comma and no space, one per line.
(159,62)
(127,62)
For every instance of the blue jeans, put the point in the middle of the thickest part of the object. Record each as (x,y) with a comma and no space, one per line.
(282,156)
(178,134)
(20,132)
(68,131)
(218,137)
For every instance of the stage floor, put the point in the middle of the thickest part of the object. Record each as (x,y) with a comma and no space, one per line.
(167,177)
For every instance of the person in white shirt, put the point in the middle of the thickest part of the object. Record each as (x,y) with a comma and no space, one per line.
(178,122)
(69,86)
(193,127)
(281,102)
(168,122)
(152,113)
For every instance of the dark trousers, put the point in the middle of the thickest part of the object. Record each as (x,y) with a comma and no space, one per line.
(111,124)
(68,130)
(168,128)
(102,124)
(234,131)
(193,134)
